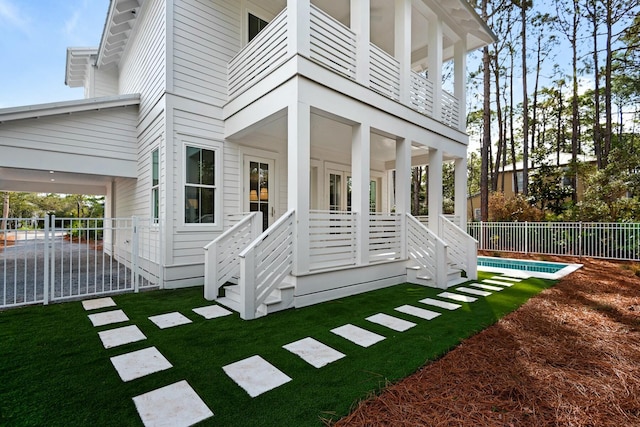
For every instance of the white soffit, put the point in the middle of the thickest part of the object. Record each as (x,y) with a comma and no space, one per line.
(79,59)
(118,26)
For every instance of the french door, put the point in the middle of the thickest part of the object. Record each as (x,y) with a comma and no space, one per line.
(259,188)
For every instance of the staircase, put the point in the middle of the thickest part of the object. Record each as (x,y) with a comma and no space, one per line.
(281,298)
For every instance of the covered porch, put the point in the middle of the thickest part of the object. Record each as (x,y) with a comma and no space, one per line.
(336,211)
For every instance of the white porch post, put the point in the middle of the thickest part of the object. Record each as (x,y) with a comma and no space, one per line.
(402,46)
(299,27)
(298,171)
(360,164)
(460,191)
(435,65)
(361,25)
(403,190)
(435,189)
(460,80)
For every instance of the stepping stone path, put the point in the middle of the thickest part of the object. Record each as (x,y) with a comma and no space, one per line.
(173,405)
(314,352)
(255,375)
(179,405)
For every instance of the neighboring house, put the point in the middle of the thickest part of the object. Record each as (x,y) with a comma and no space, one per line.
(307,112)
(510,178)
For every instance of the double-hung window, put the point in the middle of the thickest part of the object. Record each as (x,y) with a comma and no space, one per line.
(200,186)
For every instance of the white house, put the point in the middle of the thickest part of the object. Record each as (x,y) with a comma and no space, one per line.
(221,119)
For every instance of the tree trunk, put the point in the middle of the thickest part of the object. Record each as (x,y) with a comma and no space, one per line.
(607,86)
(486,131)
(525,103)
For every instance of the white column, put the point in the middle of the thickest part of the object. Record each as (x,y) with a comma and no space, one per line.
(360,161)
(435,189)
(402,46)
(361,25)
(435,65)
(403,188)
(460,80)
(298,171)
(460,191)
(298,27)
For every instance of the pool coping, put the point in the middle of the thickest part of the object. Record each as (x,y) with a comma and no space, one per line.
(570,268)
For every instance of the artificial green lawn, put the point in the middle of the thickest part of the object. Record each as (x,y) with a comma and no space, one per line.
(54,370)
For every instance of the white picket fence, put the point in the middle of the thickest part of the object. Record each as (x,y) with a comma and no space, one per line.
(618,241)
(53,259)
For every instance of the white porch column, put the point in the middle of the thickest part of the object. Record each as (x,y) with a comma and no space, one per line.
(360,165)
(402,46)
(435,189)
(298,171)
(460,80)
(403,187)
(361,25)
(435,65)
(299,27)
(460,191)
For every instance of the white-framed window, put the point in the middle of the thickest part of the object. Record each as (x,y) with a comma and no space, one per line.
(255,24)
(200,185)
(519,177)
(155,185)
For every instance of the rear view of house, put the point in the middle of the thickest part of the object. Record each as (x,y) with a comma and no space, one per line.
(277,135)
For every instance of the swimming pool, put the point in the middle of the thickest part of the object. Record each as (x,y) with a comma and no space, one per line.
(526,268)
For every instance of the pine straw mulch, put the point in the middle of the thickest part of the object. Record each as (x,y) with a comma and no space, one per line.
(568,357)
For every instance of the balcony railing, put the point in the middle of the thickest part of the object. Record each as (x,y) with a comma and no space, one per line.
(334,46)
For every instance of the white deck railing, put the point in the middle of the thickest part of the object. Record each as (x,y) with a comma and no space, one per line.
(332,239)
(384,72)
(222,256)
(463,250)
(427,250)
(265,264)
(385,237)
(453,218)
(332,44)
(619,241)
(260,57)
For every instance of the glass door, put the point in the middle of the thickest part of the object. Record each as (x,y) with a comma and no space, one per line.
(259,193)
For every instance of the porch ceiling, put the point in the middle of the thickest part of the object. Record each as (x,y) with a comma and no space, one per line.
(50,181)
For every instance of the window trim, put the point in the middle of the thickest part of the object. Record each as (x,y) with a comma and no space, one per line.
(216,147)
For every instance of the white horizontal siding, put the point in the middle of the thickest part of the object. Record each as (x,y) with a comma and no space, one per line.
(101,83)
(206,37)
(143,64)
(110,132)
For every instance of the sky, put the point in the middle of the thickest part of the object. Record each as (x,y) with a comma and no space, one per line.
(34,37)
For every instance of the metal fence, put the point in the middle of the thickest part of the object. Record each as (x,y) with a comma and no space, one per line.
(51,259)
(619,241)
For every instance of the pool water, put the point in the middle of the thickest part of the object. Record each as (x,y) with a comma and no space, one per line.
(542,269)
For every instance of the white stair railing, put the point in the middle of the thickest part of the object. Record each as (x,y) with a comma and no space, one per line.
(427,250)
(463,249)
(265,263)
(221,256)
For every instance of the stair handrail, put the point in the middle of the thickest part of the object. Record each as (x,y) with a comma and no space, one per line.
(464,251)
(428,250)
(221,256)
(265,263)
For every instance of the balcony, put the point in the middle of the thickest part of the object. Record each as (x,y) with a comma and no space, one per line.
(334,46)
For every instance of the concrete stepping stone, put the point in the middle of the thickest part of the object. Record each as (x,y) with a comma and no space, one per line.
(94,304)
(391,322)
(108,317)
(357,335)
(441,304)
(473,291)
(169,320)
(140,363)
(173,405)
(314,352)
(255,375)
(457,297)
(496,282)
(486,287)
(418,312)
(212,311)
(510,279)
(120,336)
